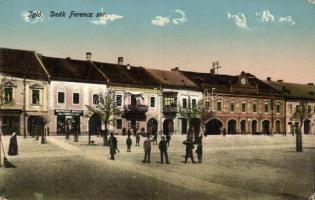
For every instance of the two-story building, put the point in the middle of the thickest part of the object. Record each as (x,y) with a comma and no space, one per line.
(25,82)
(239,104)
(177,92)
(73,85)
(137,95)
(295,94)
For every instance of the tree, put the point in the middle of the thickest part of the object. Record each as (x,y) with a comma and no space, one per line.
(192,112)
(301,114)
(105,110)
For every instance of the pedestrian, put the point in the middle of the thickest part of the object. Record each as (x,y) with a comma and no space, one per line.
(224,132)
(147,150)
(199,151)
(135,130)
(112,146)
(168,139)
(189,149)
(138,139)
(129,143)
(129,132)
(13,145)
(163,150)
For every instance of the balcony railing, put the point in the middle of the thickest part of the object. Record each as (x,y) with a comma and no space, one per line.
(136,108)
(169,109)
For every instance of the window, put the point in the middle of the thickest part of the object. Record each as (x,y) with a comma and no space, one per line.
(194,103)
(219,106)
(297,108)
(76,98)
(96,99)
(61,97)
(35,96)
(290,108)
(8,95)
(168,101)
(309,109)
(119,123)
(266,107)
(152,102)
(232,106)
(255,107)
(118,100)
(243,107)
(207,105)
(278,108)
(184,103)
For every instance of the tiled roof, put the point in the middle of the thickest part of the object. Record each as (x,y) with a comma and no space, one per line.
(127,75)
(21,63)
(231,84)
(294,90)
(66,69)
(173,79)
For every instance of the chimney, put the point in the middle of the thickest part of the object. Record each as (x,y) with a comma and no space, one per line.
(280,81)
(310,84)
(175,69)
(120,60)
(88,56)
(268,78)
(212,71)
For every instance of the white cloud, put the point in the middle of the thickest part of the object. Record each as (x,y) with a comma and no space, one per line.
(311,1)
(160,21)
(288,20)
(32,20)
(266,16)
(108,18)
(180,20)
(239,20)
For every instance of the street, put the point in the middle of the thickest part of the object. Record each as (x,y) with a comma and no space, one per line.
(234,167)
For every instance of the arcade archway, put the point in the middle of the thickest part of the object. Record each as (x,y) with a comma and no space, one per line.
(254,127)
(168,126)
(232,127)
(152,126)
(266,127)
(95,125)
(307,127)
(213,127)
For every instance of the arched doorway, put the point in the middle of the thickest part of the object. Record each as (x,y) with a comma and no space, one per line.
(307,127)
(152,126)
(278,126)
(232,127)
(254,127)
(213,127)
(243,126)
(35,125)
(266,127)
(168,126)
(95,125)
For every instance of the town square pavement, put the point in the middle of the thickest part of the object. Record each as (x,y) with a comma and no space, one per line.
(234,167)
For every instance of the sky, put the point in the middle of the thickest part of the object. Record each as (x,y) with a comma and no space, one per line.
(270,38)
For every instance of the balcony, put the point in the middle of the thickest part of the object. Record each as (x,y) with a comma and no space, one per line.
(170,109)
(136,111)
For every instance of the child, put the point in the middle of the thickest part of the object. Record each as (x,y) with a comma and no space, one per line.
(199,152)
(129,143)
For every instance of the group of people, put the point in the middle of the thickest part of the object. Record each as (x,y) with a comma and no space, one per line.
(163,147)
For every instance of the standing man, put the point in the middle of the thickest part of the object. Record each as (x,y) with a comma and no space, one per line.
(147,150)
(112,146)
(189,149)
(163,150)
(137,139)
(129,143)
(199,151)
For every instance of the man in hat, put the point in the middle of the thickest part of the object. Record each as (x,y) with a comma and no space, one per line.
(163,150)
(147,150)
(112,146)
(189,148)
